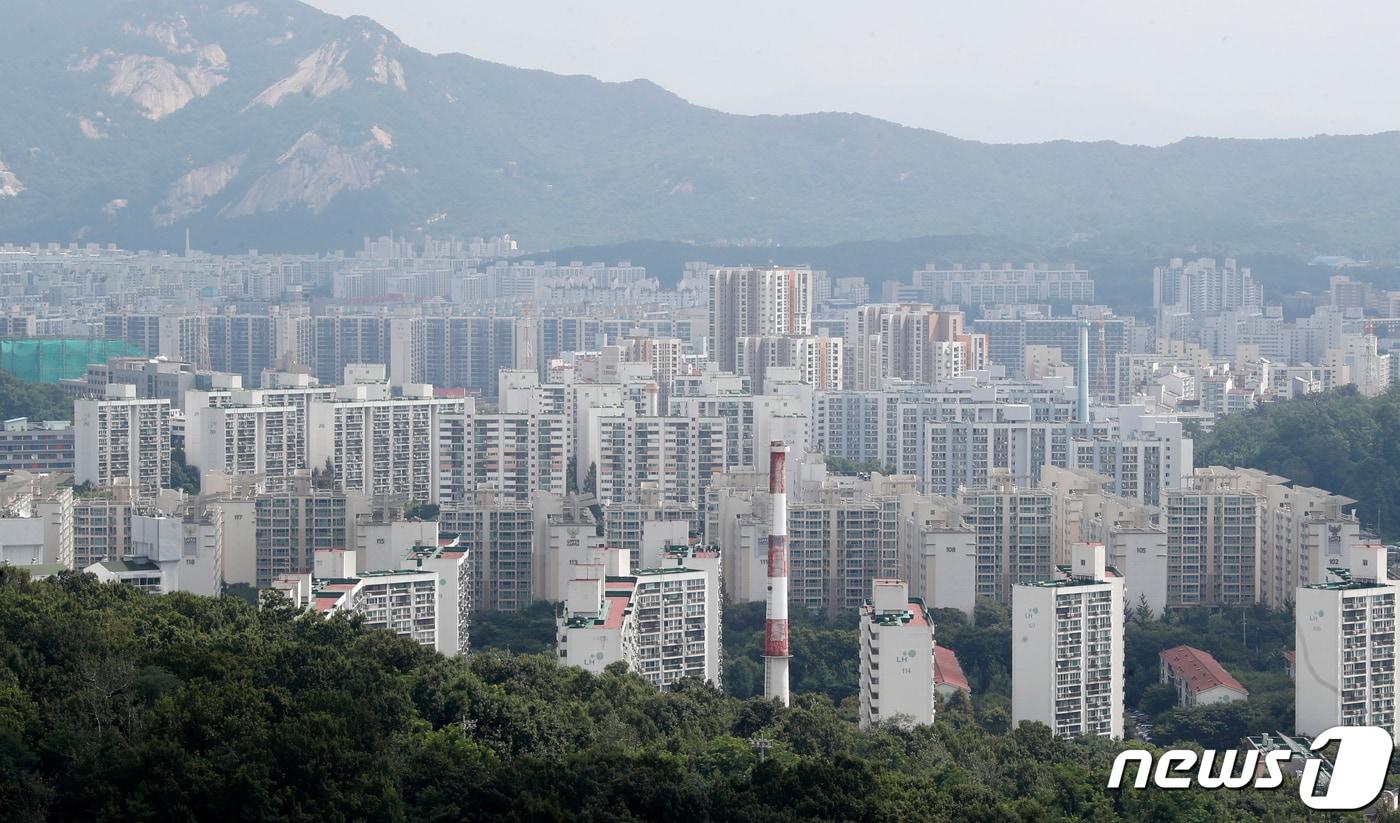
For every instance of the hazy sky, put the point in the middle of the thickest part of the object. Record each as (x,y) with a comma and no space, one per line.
(1138,71)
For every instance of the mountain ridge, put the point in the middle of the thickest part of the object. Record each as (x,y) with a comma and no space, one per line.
(269,124)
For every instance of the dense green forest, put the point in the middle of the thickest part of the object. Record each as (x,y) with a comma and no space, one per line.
(119,705)
(37,401)
(840,465)
(1337,440)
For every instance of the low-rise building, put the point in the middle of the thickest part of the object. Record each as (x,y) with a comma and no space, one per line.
(1198,679)
(36,446)
(948,677)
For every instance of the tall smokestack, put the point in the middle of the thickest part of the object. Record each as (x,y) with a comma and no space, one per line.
(775,645)
(1082,378)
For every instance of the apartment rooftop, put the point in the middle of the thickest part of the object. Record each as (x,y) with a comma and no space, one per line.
(1345,582)
(1068,580)
(617,604)
(914,615)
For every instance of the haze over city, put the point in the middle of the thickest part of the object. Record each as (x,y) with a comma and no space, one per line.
(997,71)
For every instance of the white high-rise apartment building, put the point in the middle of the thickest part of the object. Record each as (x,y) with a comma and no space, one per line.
(818,361)
(756,302)
(677,455)
(262,432)
(1014,539)
(1242,536)
(183,552)
(916,343)
(403,601)
(988,286)
(36,521)
(499,534)
(251,437)
(896,657)
(453,566)
(1346,646)
(1067,649)
(678,609)
(958,434)
(515,454)
(274,533)
(1305,532)
(1187,292)
(646,527)
(121,436)
(1213,542)
(382,445)
(663,622)
(102,525)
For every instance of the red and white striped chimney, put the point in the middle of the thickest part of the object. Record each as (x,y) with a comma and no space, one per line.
(776,656)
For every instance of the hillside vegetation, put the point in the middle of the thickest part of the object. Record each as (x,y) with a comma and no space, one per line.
(1337,440)
(37,401)
(119,705)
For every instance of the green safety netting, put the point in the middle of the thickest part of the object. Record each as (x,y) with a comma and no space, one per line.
(49,360)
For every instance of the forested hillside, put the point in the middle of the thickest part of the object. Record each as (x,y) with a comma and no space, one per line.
(37,401)
(1337,440)
(119,705)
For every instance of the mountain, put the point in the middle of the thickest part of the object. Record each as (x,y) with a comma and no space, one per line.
(269,124)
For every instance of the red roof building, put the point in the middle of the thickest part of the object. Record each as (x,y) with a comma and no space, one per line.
(948,677)
(1198,679)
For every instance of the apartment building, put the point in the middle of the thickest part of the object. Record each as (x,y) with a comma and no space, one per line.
(646,527)
(1109,337)
(903,342)
(756,302)
(1067,649)
(988,285)
(1213,541)
(469,352)
(1014,540)
(664,622)
(181,552)
(380,444)
(402,601)
(499,535)
(897,683)
(515,455)
(102,524)
(1346,647)
(838,542)
(817,361)
(677,456)
(36,521)
(37,446)
(121,436)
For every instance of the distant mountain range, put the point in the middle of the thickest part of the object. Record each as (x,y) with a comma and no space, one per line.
(269,124)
